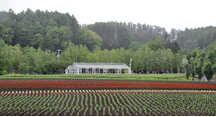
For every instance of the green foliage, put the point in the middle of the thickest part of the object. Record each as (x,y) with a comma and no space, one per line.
(100,42)
(123,71)
(28,59)
(28,28)
(3,15)
(89,38)
(114,35)
(156,43)
(188,57)
(209,67)
(214,68)
(6,34)
(47,43)
(194,54)
(178,61)
(189,44)
(135,45)
(212,46)
(199,71)
(173,46)
(2,43)
(202,55)
(192,64)
(188,70)
(36,40)
(207,70)
(211,56)
(199,37)
(23,28)
(4,72)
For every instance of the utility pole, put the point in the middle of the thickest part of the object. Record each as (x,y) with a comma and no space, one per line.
(58,55)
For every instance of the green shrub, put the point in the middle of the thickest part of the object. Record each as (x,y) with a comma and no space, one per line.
(4,72)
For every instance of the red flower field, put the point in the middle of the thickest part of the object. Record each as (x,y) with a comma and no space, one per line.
(96,84)
(106,98)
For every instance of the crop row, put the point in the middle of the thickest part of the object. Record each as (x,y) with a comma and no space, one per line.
(78,84)
(110,104)
(79,92)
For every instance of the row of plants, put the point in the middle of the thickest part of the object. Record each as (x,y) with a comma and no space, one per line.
(109,77)
(115,104)
(80,92)
(78,84)
(89,76)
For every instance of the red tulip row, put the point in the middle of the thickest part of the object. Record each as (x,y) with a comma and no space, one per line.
(105,84)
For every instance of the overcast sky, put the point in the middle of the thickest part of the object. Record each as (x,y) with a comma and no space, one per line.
(177,14)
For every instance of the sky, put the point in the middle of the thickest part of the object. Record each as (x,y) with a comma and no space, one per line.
(177,14)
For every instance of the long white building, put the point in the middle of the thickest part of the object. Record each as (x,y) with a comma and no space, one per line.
(98,68)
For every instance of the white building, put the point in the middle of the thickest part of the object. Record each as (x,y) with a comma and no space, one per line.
(97,68)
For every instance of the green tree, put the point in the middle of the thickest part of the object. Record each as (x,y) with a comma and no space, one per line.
(47,43)
(97,51)
(65,36)
(3,15)
(156,43)
(70,54)
(6,34)
(190,44)
(135,45)
(54,36)
(36,40)
(6,56)
(188,65)
(23,38)
(211,57)
(83,54)
(16,56)
(138,63)
(39,61)
(2,43)
(188,70)
(170,58)
(178,61)
(173,46)
(89,38)
(207,70)
(193,64)
(209,66)
(199,67)
(147,59)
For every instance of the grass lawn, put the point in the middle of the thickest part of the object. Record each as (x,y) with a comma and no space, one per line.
(136,77)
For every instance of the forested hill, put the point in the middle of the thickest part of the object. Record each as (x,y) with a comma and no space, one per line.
(47,30)
(201,38)
(116,35)
(54,30)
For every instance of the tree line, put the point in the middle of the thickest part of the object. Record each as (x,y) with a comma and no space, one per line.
(54,30)
(200,64)
(149,57)
(200,38)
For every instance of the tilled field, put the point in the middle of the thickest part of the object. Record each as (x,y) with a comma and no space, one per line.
(74,98)
(110,104)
